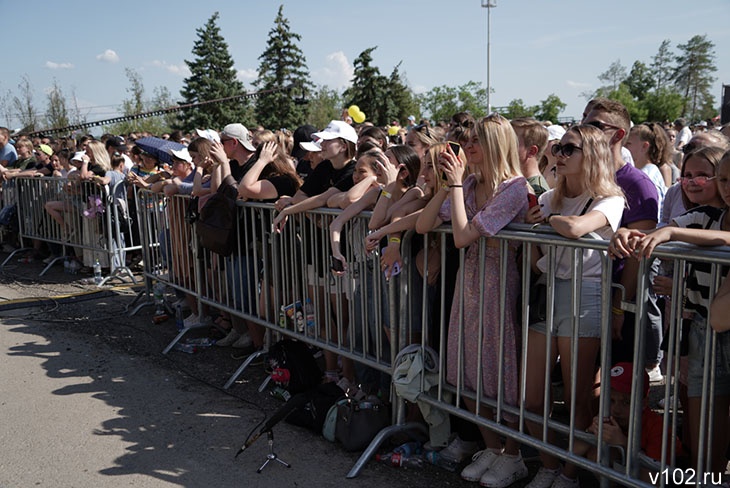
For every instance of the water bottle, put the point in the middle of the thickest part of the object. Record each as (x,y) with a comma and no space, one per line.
(398,460)
(179,319)
(158,292)
(97,272)
(186,348)
(408,449)
(435,458)
(309,317)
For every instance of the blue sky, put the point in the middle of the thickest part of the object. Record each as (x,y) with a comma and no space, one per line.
(538,47)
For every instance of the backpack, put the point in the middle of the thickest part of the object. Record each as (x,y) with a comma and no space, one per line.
(293,366)
(313,413)
(216,224)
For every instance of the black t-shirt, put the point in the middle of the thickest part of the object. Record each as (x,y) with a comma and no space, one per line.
(325,176)
(238,170)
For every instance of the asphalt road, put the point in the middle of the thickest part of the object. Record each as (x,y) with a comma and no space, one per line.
(88,400)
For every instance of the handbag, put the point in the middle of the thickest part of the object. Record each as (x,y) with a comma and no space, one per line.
(358,422)
(216,224)
(191,212)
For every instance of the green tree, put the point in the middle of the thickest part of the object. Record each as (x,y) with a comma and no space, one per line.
(26,111)
(693,75)
(282,64)
(516,108)
(400,99)
(325,105)
(663,104)
(614,75)
(137,103)
(662,65)
(550,108)
(369,89)
(636,110)
(57,115)
(441,102)
(640,80)
(212,77)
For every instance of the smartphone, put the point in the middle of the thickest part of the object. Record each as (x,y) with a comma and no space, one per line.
(455,147)
(532,199)
(336,265)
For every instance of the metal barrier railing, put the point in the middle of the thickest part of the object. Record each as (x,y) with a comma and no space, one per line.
(372,320)
(76,214)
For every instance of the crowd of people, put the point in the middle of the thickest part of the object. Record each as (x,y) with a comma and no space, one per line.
(636,186)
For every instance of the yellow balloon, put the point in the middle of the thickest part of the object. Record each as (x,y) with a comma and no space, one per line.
(393,130)
(359,117)
(354,109)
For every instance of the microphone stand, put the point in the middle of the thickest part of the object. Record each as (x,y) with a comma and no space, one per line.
(271,456)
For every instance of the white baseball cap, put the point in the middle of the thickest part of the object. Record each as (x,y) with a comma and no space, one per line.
(335,129)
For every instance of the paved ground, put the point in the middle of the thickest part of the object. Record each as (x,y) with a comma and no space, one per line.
(88,400)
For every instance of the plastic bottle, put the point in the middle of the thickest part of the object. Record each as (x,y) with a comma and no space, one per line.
(187,348)
(409,448)
(179,319)
(309,317)
(97,272)
(435,458)
(399,460)
(201,342)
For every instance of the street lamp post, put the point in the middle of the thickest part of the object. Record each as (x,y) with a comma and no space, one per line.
(489,4)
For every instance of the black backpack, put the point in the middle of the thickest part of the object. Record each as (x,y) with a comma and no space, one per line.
(216,223)
(293,366)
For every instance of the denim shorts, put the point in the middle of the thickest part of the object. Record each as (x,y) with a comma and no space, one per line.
(589,324)
(696,360)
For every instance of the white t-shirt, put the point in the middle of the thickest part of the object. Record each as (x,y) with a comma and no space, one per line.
(683,137)
(655,175)
(611,207)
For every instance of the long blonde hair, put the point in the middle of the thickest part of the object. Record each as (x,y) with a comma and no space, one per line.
(499,148)
(99,154)
(599,174)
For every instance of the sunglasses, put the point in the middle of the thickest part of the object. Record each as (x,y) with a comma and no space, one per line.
(602,126)
(566,150)
(697,180)
(423,126)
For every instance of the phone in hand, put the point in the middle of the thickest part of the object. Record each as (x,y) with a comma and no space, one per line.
(532,200)
(336,265)
(455,147)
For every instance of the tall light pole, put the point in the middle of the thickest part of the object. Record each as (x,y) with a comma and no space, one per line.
(489,4)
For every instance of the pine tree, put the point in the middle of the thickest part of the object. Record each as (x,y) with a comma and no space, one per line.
(693,76)
(369,89)
(212,77)
(662,65)
(400,99)
(282,64)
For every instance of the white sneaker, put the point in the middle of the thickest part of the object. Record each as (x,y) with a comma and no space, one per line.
(228,340)
(458,450)
(243,342)
(504,471)
(655,375)
(191,320)
(481,461)
(544,478)
(564,482)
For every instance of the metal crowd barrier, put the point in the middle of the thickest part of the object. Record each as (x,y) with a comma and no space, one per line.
(271,279)
(93,220)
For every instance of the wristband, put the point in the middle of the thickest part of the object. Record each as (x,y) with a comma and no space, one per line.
(456,186)
(385,194)
(547,219)
(395,240)
(617,311)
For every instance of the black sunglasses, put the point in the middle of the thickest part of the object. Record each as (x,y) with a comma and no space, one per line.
(602,126)
(423,126)
(566,150)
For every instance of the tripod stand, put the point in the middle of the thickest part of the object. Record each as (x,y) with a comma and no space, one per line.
(271,456)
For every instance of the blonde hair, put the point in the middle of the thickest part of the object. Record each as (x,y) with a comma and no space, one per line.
(599,175)
(99,155)
(499,148)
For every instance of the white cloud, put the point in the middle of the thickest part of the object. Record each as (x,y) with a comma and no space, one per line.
(577,84)
(52,65)
(176,69)
(337,72)
(108,56)
(245,75)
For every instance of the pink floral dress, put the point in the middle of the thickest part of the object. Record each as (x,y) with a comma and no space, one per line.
(508,205)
